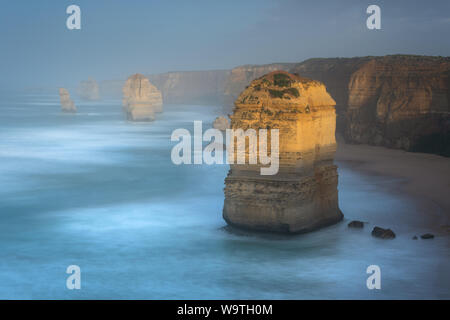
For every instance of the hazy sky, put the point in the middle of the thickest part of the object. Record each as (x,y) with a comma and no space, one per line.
(121,37)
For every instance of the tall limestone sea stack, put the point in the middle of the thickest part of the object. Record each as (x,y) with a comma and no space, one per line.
(303,195)
(67,104)
(141,99)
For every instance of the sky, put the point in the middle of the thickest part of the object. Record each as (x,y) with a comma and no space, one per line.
(121,37)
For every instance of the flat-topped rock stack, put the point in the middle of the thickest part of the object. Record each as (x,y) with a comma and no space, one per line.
(303,195)
(141,99)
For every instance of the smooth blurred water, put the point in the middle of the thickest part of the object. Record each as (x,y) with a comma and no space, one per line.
(94,190)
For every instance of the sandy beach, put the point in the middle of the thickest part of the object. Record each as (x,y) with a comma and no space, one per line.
(424,176)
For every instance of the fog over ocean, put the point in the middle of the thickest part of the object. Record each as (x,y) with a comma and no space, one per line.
(95,190)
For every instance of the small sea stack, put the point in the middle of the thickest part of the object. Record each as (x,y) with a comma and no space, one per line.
(89,90)
(302,196)
(141,99)
(67,104)
(221,123)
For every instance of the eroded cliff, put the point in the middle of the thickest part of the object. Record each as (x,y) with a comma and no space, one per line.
(335,73)
(400,102)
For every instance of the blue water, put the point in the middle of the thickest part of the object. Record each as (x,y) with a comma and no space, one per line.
(94,190)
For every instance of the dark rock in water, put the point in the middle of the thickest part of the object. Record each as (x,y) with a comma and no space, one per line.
(383,233)
(427,236)
(415,238)
(356,224)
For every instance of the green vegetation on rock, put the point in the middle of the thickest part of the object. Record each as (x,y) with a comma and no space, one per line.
(281,80)
(276,93)
(280,93)
(292,91)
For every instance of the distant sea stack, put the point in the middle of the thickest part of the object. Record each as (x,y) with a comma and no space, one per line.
(67,104)
(141,99)
(303,195)
(89,90)
(221,123)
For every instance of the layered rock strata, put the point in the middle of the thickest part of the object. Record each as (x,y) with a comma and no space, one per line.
(397,101)
(67,104)
(303,195)
(335,73)
(141,99)
(401,102)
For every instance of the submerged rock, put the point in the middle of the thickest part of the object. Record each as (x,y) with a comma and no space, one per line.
(89,90)
(221,123)
(383,233)
(67,104)
(427,236)
(302,195)
(356,224)
(141,99)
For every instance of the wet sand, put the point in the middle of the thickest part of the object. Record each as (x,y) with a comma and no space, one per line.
(425,177)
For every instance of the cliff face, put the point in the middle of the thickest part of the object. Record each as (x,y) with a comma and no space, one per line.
(141,99)
(241,76)
(400,102)
(394,101)
(191,86)
(89,90)
(335,73)
(67,104)
(302,196)
(111,88)
(184,87)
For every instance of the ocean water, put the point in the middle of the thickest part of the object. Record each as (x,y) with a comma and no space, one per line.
(97,191)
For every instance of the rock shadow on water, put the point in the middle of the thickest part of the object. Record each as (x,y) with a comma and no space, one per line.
(275,236)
